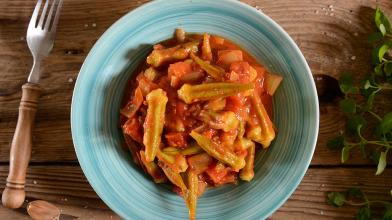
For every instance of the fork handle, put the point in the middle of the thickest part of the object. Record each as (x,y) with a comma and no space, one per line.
(14,193)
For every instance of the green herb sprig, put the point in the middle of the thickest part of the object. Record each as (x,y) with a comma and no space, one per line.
(358,102)
(355,197)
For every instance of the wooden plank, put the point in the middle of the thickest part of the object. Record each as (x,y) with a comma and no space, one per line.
(67,187)
(329,40)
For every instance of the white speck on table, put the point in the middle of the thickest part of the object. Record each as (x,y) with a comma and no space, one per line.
(353,58)
(35,182)
(85,25)
(70,80)
(94,25)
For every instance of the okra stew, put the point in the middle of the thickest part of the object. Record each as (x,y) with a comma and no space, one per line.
(199,109)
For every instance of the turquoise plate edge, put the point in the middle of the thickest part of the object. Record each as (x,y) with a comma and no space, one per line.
(79,87)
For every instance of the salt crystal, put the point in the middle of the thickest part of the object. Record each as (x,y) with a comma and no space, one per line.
(349,21)
(35,182)
(353,57)
(355,34)
(316,12)
(330,6)
(331,14)
(65,199)
(332,9)
(321,213)
(94,25)
(85,25)
(22,38)
(322,185)
(70,80)
(323,9)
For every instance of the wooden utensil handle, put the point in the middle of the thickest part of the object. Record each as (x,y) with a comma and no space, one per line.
(14,194)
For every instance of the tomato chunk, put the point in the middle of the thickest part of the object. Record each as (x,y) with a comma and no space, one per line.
(176,139)
(133,128)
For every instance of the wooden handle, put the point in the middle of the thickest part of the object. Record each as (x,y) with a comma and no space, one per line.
(14,194)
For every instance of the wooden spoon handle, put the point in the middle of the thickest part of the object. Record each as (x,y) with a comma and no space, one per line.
(14,194)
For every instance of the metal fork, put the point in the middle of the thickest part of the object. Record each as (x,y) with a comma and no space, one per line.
(40,37)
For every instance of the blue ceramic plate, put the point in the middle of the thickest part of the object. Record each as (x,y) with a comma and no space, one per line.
(98,93)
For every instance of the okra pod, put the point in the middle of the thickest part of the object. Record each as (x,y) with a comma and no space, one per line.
(192,149)
(206,52)
(215,72)
(191,196)
(219,153)
(207,91)
(180,52)
(154,122)
(152,169)
(176,162)
(173,177)
(267,130)
(247,172)
(171,150)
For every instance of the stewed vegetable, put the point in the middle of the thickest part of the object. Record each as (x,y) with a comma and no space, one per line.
(196,113)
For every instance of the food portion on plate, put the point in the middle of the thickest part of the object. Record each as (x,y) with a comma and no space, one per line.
(197,112)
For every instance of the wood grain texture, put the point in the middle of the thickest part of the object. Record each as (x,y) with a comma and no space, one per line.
(333,40)
(13,195)
(328,39)
(67,188)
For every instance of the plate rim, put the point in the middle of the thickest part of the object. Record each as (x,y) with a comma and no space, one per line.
(243,6)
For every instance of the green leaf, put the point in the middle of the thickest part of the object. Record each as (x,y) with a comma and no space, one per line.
(345,154)
(346,84)
(388,68)
(382,22)
(382,163)
(364,213)
(385,125)
(375,52)
(348,106)
(336,198)
(375,37)
(378,69)
(383,49)
(387,215)
(353,122)
(354,193)
(367,84)
(336,142)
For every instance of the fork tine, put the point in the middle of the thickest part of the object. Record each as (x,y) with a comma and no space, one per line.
(33,19)
(49,19)
(42,18)
(56,18)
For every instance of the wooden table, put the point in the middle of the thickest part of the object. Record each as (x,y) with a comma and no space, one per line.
(331,34)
